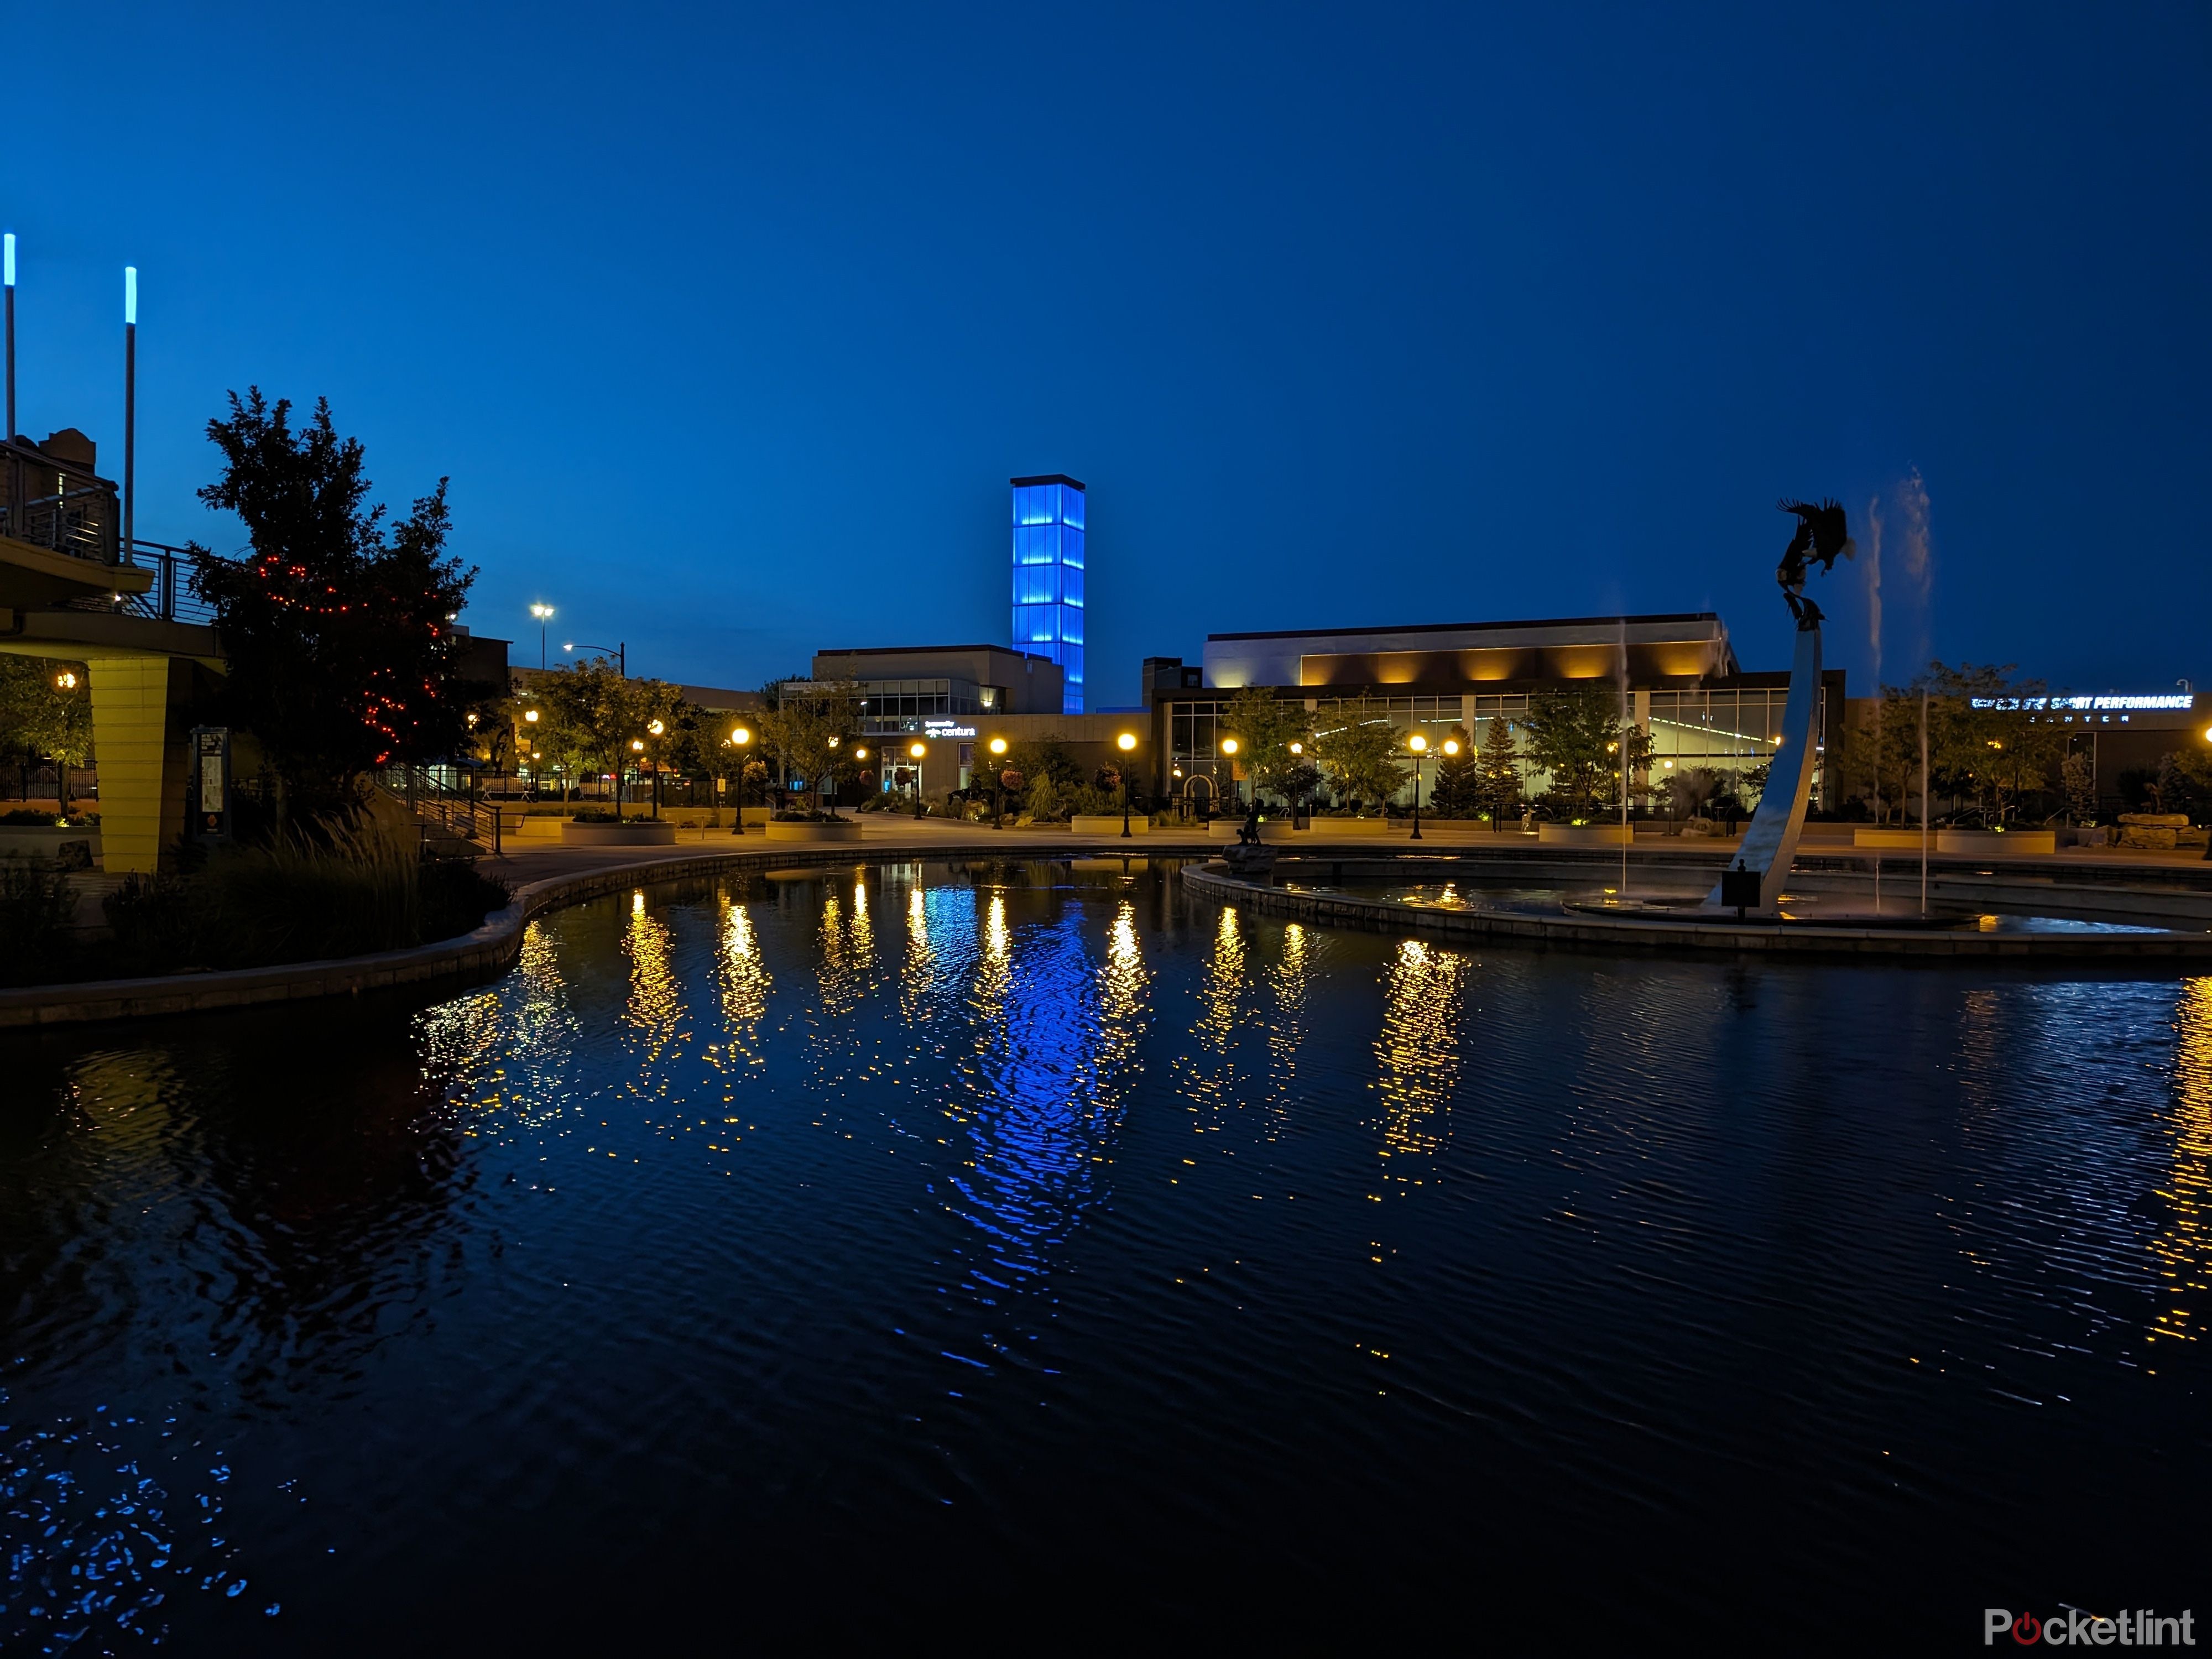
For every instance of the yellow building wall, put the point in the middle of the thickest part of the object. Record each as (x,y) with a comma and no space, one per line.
(141,774)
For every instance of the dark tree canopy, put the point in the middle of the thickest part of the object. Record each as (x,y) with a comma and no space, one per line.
(336,630)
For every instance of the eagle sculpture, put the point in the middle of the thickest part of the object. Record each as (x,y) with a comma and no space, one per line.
(1823,533)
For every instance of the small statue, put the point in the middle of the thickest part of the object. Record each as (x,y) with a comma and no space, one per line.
(1823,533)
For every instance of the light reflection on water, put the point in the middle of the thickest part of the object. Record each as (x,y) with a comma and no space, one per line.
(1021,1215)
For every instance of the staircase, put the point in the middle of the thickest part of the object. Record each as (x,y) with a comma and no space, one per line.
(453,824)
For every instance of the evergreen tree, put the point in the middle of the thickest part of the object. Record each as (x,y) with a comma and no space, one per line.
(1458,791)
(1498,764)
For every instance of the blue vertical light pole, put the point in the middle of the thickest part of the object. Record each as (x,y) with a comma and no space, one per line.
(8,269)
(129,401)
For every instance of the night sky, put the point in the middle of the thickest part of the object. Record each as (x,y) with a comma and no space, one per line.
(730,323)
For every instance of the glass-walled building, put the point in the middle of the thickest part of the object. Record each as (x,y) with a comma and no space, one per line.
(1676,676)
(1049,577)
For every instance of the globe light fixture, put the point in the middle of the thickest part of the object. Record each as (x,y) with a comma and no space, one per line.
(67,681)
(656,728)
(637,744)
(1418,743)
(740,736)
(531,715)
(1229,746)
(999,745)
(1298,749)
(1451,745)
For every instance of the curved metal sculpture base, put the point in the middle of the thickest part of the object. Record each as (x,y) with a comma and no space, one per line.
(1769,845)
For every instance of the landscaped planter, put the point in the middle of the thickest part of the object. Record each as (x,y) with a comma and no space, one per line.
(1342,829)
(1101,823)
(843,830)
(1891,841)
(1584,835)
(2029,842)
(43,841)
(633,832)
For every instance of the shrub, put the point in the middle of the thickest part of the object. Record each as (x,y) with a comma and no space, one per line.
(455,898)
(37,904)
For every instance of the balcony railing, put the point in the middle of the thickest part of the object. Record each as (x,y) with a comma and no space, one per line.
(169,599)
(57,504)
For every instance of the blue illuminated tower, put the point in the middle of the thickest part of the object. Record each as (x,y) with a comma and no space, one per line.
(1049,577)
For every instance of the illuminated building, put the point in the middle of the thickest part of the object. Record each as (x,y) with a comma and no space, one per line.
(1049,576)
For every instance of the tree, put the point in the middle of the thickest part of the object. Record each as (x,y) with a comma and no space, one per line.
(1357,748)
(1265,726)
(2077,779)
(1458,790)
(1691,789)
(337,633)
(1986,739)
(592,714)
(1576,736)
(46,714)
(1041,759)
(1499,765)
(811,731)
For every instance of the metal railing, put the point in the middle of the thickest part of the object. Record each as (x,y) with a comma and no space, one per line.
(169,599)
(57,504)
(443,810)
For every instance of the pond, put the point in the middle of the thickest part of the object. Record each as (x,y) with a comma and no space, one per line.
(1031,1254)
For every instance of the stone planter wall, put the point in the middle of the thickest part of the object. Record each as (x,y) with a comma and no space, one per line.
(2028,843)
(1101,823)
(1585,835)
(643,832)
(817,832)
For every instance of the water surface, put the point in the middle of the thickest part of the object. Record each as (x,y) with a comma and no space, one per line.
(1025,1254)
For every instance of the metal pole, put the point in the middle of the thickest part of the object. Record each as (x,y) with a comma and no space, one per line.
(1416,797)
(1923,800)
(8,258)
(129,401)
(1125,800)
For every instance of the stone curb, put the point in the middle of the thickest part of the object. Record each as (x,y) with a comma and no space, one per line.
(469,958)
(1381,915)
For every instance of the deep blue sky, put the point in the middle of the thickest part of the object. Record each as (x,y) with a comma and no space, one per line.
(730,323)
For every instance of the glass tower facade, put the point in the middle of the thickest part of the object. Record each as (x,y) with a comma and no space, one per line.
(1049,577)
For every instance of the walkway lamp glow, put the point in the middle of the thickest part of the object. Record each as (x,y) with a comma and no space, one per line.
(1228,747)
(65,681)
(1420,746)
(1125,742)
(917,749)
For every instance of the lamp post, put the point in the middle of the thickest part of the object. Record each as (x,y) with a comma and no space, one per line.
(544,614)
(655,728)
(998,747)
(1420,746)
(1125,742)
(739,736)
(915,751)
(1229,746)
(129,402)
(859,758)
(1298,755)
(620,654)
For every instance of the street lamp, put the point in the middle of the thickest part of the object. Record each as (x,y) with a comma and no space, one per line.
(1125,742)
(1229,748)
(65,681)
(620,653)
(998,748)
(916,749)
(1420,746)
(544,614)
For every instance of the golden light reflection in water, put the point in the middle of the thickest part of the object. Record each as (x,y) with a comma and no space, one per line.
(1417,1053)
(745,982)
(1286,983)
(655,1008)
(1211,1079)
(2180,1245)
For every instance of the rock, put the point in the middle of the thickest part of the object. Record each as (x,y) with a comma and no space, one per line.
(2156,820)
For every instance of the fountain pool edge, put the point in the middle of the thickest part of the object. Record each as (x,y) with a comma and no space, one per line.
(1213,881)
